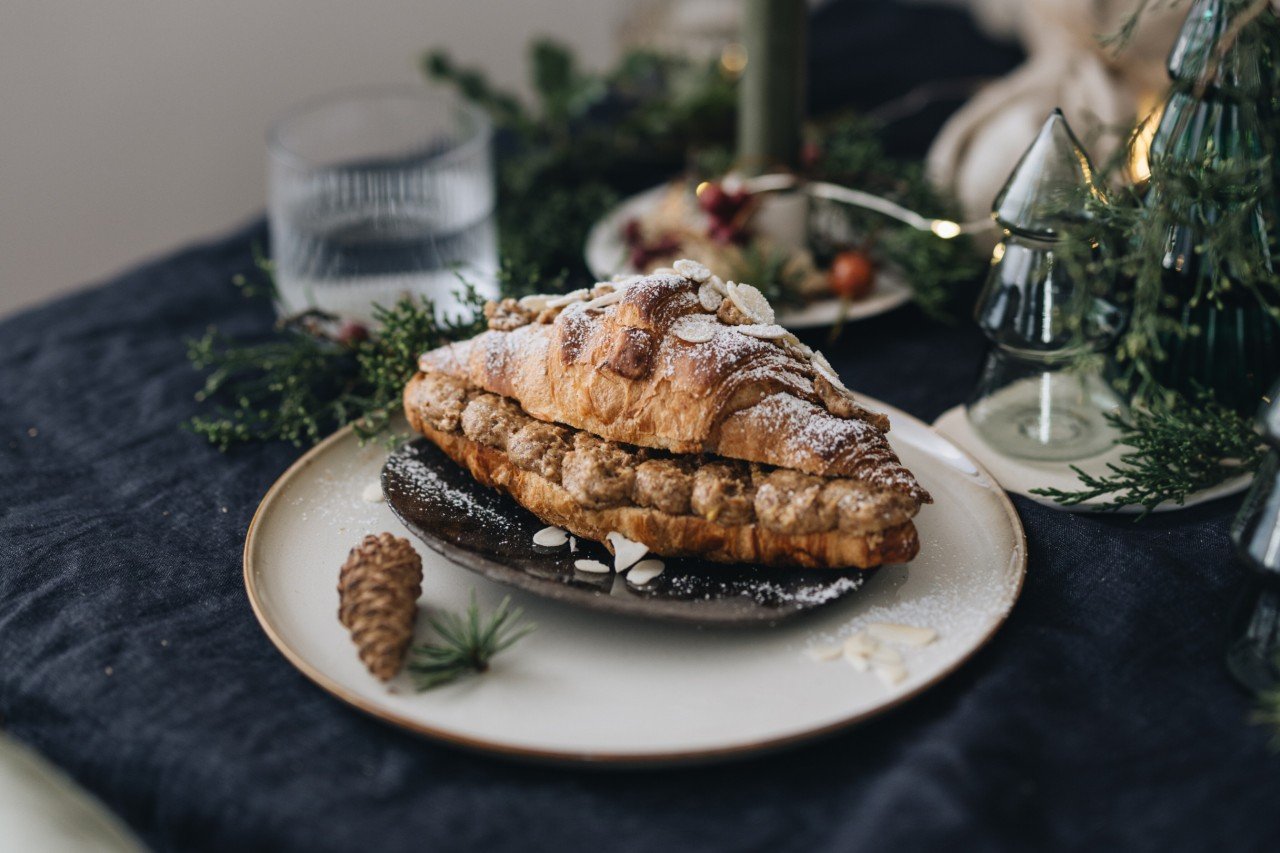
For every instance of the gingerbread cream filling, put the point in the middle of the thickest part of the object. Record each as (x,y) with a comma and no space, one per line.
(601,474)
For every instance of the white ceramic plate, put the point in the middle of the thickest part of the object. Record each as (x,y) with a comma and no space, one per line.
(606,255)
(594,687)
(1020,476)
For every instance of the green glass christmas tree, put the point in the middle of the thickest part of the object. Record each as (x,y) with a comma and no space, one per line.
(1206,298)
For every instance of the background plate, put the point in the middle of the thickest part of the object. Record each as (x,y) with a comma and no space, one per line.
(599,687)
(606,255)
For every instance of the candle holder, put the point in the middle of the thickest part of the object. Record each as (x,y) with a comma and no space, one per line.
(1253,653)
(1043,393)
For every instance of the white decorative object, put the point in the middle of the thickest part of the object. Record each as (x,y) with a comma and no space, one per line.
(1066,67)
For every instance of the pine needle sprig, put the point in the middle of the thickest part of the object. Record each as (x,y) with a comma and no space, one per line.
(467,644)
(1178,447)
(1268,714)
(308,379)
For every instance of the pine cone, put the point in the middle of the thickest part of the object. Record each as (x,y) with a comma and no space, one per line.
(378,593)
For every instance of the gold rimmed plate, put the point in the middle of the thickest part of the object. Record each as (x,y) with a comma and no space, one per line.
(597,686)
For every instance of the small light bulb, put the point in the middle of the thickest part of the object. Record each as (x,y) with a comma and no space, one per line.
(733,59)
(945,228)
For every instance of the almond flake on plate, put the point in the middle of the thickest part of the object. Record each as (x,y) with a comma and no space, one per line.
(905,635)
(594,567)
(823,653)
(626,553)
(645,571)
(886,656)
(764,331)
(694,329)
(860,644)
(751,302)
(550,537)
(372,493)
(891,673)
(709,298)
(857,660)
(692,269)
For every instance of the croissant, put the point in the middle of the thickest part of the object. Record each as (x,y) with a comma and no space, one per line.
(671,409)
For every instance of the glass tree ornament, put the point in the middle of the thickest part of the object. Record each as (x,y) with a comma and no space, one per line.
(1253,655)
(1034,398)
(1219,333)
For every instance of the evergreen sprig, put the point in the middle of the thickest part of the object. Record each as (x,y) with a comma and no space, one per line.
(850,153)
(1178,447)
(1268,714)
(308,379)
(467,643)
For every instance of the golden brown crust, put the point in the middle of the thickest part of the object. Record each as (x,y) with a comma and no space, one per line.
(663,533)
(619,372)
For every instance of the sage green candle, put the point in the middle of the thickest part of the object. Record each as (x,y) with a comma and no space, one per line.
(771,92)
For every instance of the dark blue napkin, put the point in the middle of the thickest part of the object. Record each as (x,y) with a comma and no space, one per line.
(1100,717)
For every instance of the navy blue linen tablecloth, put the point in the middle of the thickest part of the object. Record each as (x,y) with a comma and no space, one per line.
(1099,717)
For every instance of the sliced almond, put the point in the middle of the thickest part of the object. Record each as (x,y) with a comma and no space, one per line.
(751,302)
(823,653)
(550,537)
(825,370)
(718,285)
(764,331)
(857,660)
(692,269)
(625,552)
(860,644)
(885,655)
(694,329)
(372,493)
(664,271)
(605,299)
(891,673)
(569,298)
(903,635)
(594,567)
(709,298)
(536,302)
(644,571)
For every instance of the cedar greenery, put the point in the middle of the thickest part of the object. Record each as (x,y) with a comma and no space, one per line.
(467,644)
(1268,714)
(1177,447)
(309,379)
(1181,442)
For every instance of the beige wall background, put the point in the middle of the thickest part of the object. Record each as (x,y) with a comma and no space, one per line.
(130,127)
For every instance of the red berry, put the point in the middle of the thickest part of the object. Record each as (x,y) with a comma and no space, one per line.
(852,274)
(631,232)
(711,198)
(352,333)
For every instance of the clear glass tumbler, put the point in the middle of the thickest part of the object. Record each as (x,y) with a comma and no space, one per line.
(379,194)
